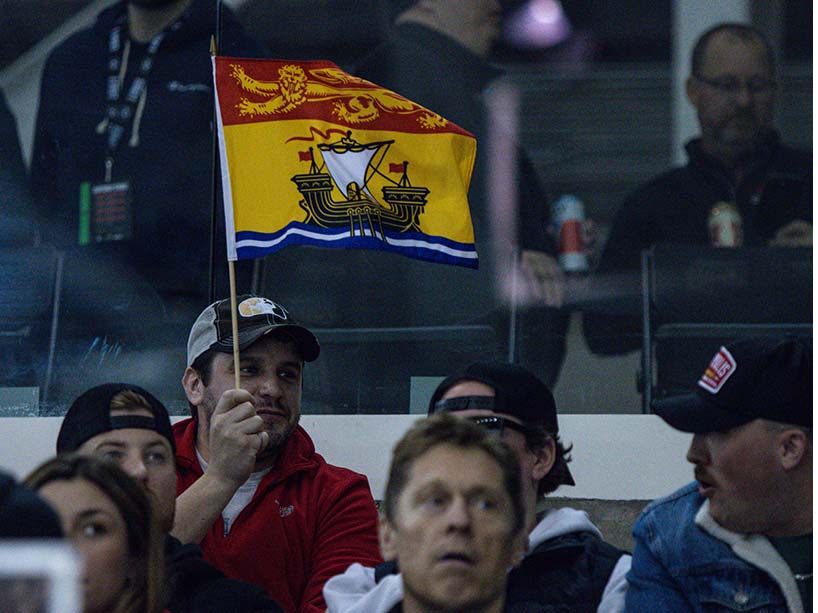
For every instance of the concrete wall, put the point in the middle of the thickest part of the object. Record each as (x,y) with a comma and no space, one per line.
(616,457)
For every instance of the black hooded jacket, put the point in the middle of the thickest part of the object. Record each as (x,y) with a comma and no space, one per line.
(166,151)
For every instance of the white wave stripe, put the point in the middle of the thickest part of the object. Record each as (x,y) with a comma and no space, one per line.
(457,253)
(265,244)
(408,243)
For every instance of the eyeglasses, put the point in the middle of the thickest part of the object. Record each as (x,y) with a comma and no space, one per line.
(496,424)
(731,86)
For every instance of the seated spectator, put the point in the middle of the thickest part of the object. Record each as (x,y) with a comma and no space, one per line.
(251,486)
(127,425)
(511,402)
(109,519)
(736,168)
(453,517)
(740,537)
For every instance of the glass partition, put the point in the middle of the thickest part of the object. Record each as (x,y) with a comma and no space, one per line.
(109,245)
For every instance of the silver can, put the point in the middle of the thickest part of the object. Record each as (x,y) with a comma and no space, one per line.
(725,226)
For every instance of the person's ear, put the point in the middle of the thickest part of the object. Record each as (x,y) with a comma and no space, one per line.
(693,90)
(545,459)
(387,538)
(194,386)
(793,446)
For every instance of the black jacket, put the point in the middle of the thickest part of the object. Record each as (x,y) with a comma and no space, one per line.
(674,208)
(196,586)
(167,155)
(566,573)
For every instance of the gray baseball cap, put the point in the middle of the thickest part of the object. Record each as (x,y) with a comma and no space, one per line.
(256,317)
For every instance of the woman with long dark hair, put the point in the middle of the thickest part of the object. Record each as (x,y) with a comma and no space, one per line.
(109,519)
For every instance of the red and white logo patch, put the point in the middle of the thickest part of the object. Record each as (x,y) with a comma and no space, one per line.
(722,366)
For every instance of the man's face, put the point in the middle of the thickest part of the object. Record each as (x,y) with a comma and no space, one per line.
(146,456)
(454,535)
(739,472)
(533,466)
(271,370)
(733,96)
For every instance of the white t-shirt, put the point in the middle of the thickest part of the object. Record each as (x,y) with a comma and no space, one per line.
(241,498)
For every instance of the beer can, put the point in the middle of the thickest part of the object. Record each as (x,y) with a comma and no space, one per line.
(724,225)
(568,217)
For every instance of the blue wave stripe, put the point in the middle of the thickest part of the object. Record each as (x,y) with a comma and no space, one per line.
(411,244)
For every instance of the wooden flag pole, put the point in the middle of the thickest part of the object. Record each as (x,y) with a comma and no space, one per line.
(231,268)
(234,322)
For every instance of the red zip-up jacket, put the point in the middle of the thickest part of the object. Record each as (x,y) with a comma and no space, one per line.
(307,522)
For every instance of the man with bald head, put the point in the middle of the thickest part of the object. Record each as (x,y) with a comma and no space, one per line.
(737,170)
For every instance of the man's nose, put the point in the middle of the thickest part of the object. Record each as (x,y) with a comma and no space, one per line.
(269,387)
(743,95)
(134,465)
(458,515)
(696,453)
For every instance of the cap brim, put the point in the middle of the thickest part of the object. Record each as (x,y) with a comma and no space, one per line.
(305,340)
(692,413)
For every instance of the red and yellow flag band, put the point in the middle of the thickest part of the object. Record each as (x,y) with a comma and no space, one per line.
(311,155)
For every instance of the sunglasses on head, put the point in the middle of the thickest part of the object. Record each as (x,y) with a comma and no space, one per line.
(496,424)
(492,423)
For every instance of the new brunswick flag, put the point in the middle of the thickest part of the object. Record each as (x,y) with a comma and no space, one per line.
(311,155)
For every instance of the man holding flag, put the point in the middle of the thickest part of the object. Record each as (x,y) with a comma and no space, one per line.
(263,505)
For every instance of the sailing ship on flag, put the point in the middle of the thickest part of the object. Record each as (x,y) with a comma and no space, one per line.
(348,166)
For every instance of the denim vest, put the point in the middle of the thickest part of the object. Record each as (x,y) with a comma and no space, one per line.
(687,563)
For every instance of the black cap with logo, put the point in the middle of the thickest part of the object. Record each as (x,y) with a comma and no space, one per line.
(753,378)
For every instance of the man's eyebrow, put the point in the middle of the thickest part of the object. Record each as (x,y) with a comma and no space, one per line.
(248,358)
(485,490)
(437,484)
(113,443)
(160,442)
(432,483)
(290,364)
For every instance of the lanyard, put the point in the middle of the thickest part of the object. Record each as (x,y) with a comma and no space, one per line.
(120,109)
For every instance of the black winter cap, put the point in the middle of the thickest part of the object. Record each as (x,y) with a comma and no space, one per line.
(518,392)
(90,414)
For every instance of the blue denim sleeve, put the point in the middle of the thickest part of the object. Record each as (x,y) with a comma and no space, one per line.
(650,586)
